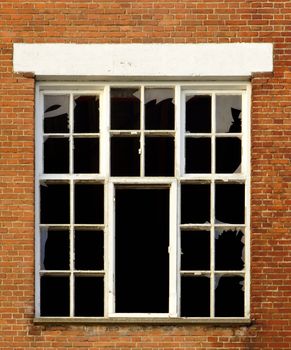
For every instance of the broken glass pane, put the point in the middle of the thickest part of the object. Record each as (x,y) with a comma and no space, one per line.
(125,158)
(198,114)
(125,109)
(229,203)
(159,156)
(229,296)
(89,295)
(159,109)
(88,250)
(86,114)
(228,154)
(55,296)
(89,204)
(55,203)
(195,204)
(56,155)
(228,113)
(229,249)
(55,246)
(86,155)
(56,113)
(195,296)
(195,250)
(198,155)
(142,240)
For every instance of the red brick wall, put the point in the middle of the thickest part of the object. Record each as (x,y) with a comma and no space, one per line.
(147,21)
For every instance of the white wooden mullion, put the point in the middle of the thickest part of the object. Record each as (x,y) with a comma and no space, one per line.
(39,97)
(181,129)
(179,170)
(142,131)
(110,244)
(72,247)
(174,266)
(212,249)
(179,132)
(71,139)
(213,134)
(246,168)
(72,204)
(106,252)
(104,121)
(212,206)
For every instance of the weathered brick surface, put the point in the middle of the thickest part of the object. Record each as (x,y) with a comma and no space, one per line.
(148,21)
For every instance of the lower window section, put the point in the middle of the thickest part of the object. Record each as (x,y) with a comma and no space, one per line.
(141,250)
(211,256)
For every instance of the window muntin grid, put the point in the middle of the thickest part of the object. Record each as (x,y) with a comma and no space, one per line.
(213,179)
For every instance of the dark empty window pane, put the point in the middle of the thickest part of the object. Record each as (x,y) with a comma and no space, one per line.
(228,113)
(229,296)
(228,154)
(56,155)
(125,109)
(125,158)
(86,155)
(55,247)
(198,114)
(195,250)
(159,109)
(89,204)
(229,203)
(88,250)
(86,114)
(229,253)
(142,259)
(89,295)
(195,296)
(56,114)
(55,296)
(159,156)
(198,155)
(55,203)
(195,204)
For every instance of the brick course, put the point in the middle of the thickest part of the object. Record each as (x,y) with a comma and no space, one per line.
(147,21)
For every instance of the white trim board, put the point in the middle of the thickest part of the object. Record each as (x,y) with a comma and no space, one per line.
(143,60)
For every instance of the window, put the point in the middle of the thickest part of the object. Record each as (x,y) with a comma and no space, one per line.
(142,196)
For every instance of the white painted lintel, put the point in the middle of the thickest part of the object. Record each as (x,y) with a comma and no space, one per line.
(107,61)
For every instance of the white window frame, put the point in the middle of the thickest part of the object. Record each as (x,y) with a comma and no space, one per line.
(182,88)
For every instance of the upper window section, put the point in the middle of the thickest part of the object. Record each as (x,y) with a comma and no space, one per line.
(142,135)
(142,124)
